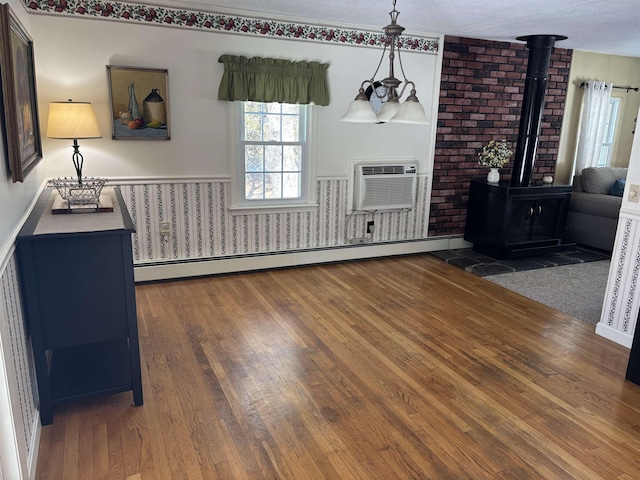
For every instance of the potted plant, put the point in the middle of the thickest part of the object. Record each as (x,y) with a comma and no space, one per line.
(495,155)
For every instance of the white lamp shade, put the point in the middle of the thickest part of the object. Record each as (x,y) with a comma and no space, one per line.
(360,111)
(72,120)
(410,112)
(388,110)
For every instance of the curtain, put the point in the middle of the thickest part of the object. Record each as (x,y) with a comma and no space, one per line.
(595,110)
(271,80)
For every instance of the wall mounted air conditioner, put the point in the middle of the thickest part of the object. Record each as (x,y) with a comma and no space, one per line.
(384,186)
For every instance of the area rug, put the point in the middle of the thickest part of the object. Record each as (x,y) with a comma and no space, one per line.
(577,290)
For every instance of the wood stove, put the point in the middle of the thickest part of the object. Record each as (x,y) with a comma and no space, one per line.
(513,218)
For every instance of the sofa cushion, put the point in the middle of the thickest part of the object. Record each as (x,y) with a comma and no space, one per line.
(617,188)
(600,179)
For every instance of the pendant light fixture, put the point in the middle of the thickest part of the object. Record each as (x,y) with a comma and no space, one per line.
(386,90)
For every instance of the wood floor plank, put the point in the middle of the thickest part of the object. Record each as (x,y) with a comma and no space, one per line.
(383,369)
(99,456)
(70,467)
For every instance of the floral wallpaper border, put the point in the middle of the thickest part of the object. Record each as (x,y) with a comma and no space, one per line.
(159,15)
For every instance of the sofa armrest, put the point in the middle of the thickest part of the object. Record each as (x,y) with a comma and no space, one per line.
(597,204)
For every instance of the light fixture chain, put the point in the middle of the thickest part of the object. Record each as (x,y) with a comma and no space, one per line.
(404,76)
(401,66)
(379,65)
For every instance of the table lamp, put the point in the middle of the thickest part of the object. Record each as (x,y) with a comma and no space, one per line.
(72,121)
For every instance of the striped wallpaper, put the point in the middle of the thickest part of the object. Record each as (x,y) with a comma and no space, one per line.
(18,361)
(203,227)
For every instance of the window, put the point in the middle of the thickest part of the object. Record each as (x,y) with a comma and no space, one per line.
(610,130)
(274,167)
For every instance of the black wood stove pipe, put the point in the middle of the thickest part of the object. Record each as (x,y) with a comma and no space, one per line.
(535,87)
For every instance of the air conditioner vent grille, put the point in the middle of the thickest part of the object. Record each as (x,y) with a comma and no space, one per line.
(383,170)
(384,186)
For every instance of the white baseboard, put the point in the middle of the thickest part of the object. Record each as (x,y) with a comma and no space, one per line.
(164,271)
(615,335)
(456,243)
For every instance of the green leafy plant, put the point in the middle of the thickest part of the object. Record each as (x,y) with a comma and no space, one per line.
(495,154)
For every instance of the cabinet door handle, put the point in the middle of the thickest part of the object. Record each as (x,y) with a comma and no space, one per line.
(539,209)
(531,211)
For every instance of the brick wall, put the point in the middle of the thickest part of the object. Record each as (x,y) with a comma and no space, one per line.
(480,100)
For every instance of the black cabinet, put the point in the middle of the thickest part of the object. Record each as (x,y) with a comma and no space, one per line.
(533,220)
(511,222)
(79,299)
(633,367)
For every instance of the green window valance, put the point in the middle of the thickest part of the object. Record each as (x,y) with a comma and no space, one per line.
(271,80)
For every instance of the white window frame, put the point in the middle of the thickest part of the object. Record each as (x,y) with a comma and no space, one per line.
(306,201)
(609,140)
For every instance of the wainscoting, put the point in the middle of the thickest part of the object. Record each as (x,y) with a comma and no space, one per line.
(204,228)
(19,435)
(621,300)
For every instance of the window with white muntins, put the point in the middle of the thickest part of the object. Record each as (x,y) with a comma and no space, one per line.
(274,166)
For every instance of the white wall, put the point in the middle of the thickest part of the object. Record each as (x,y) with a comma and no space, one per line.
(72,54)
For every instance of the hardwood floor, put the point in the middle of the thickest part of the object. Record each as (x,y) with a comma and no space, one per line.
(384,369)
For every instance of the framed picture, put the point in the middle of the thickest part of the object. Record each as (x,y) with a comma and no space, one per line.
(17,74)
(139,100)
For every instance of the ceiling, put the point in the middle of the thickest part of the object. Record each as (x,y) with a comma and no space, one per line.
(605,26)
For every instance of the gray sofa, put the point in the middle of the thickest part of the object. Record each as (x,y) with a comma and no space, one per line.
(593,211)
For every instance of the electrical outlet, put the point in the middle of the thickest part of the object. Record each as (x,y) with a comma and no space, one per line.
(634,193)
(165,229)
(370,227)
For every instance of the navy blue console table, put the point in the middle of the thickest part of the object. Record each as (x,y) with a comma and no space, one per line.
(78,293)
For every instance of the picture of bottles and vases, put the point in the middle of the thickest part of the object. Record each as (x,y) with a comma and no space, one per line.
(139,103)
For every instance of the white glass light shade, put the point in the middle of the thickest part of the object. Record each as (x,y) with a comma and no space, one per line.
(388,110)
(410,112)
(360,111)
(72,120)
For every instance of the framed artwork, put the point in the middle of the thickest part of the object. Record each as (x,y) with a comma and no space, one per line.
(139,99)
(17,74)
